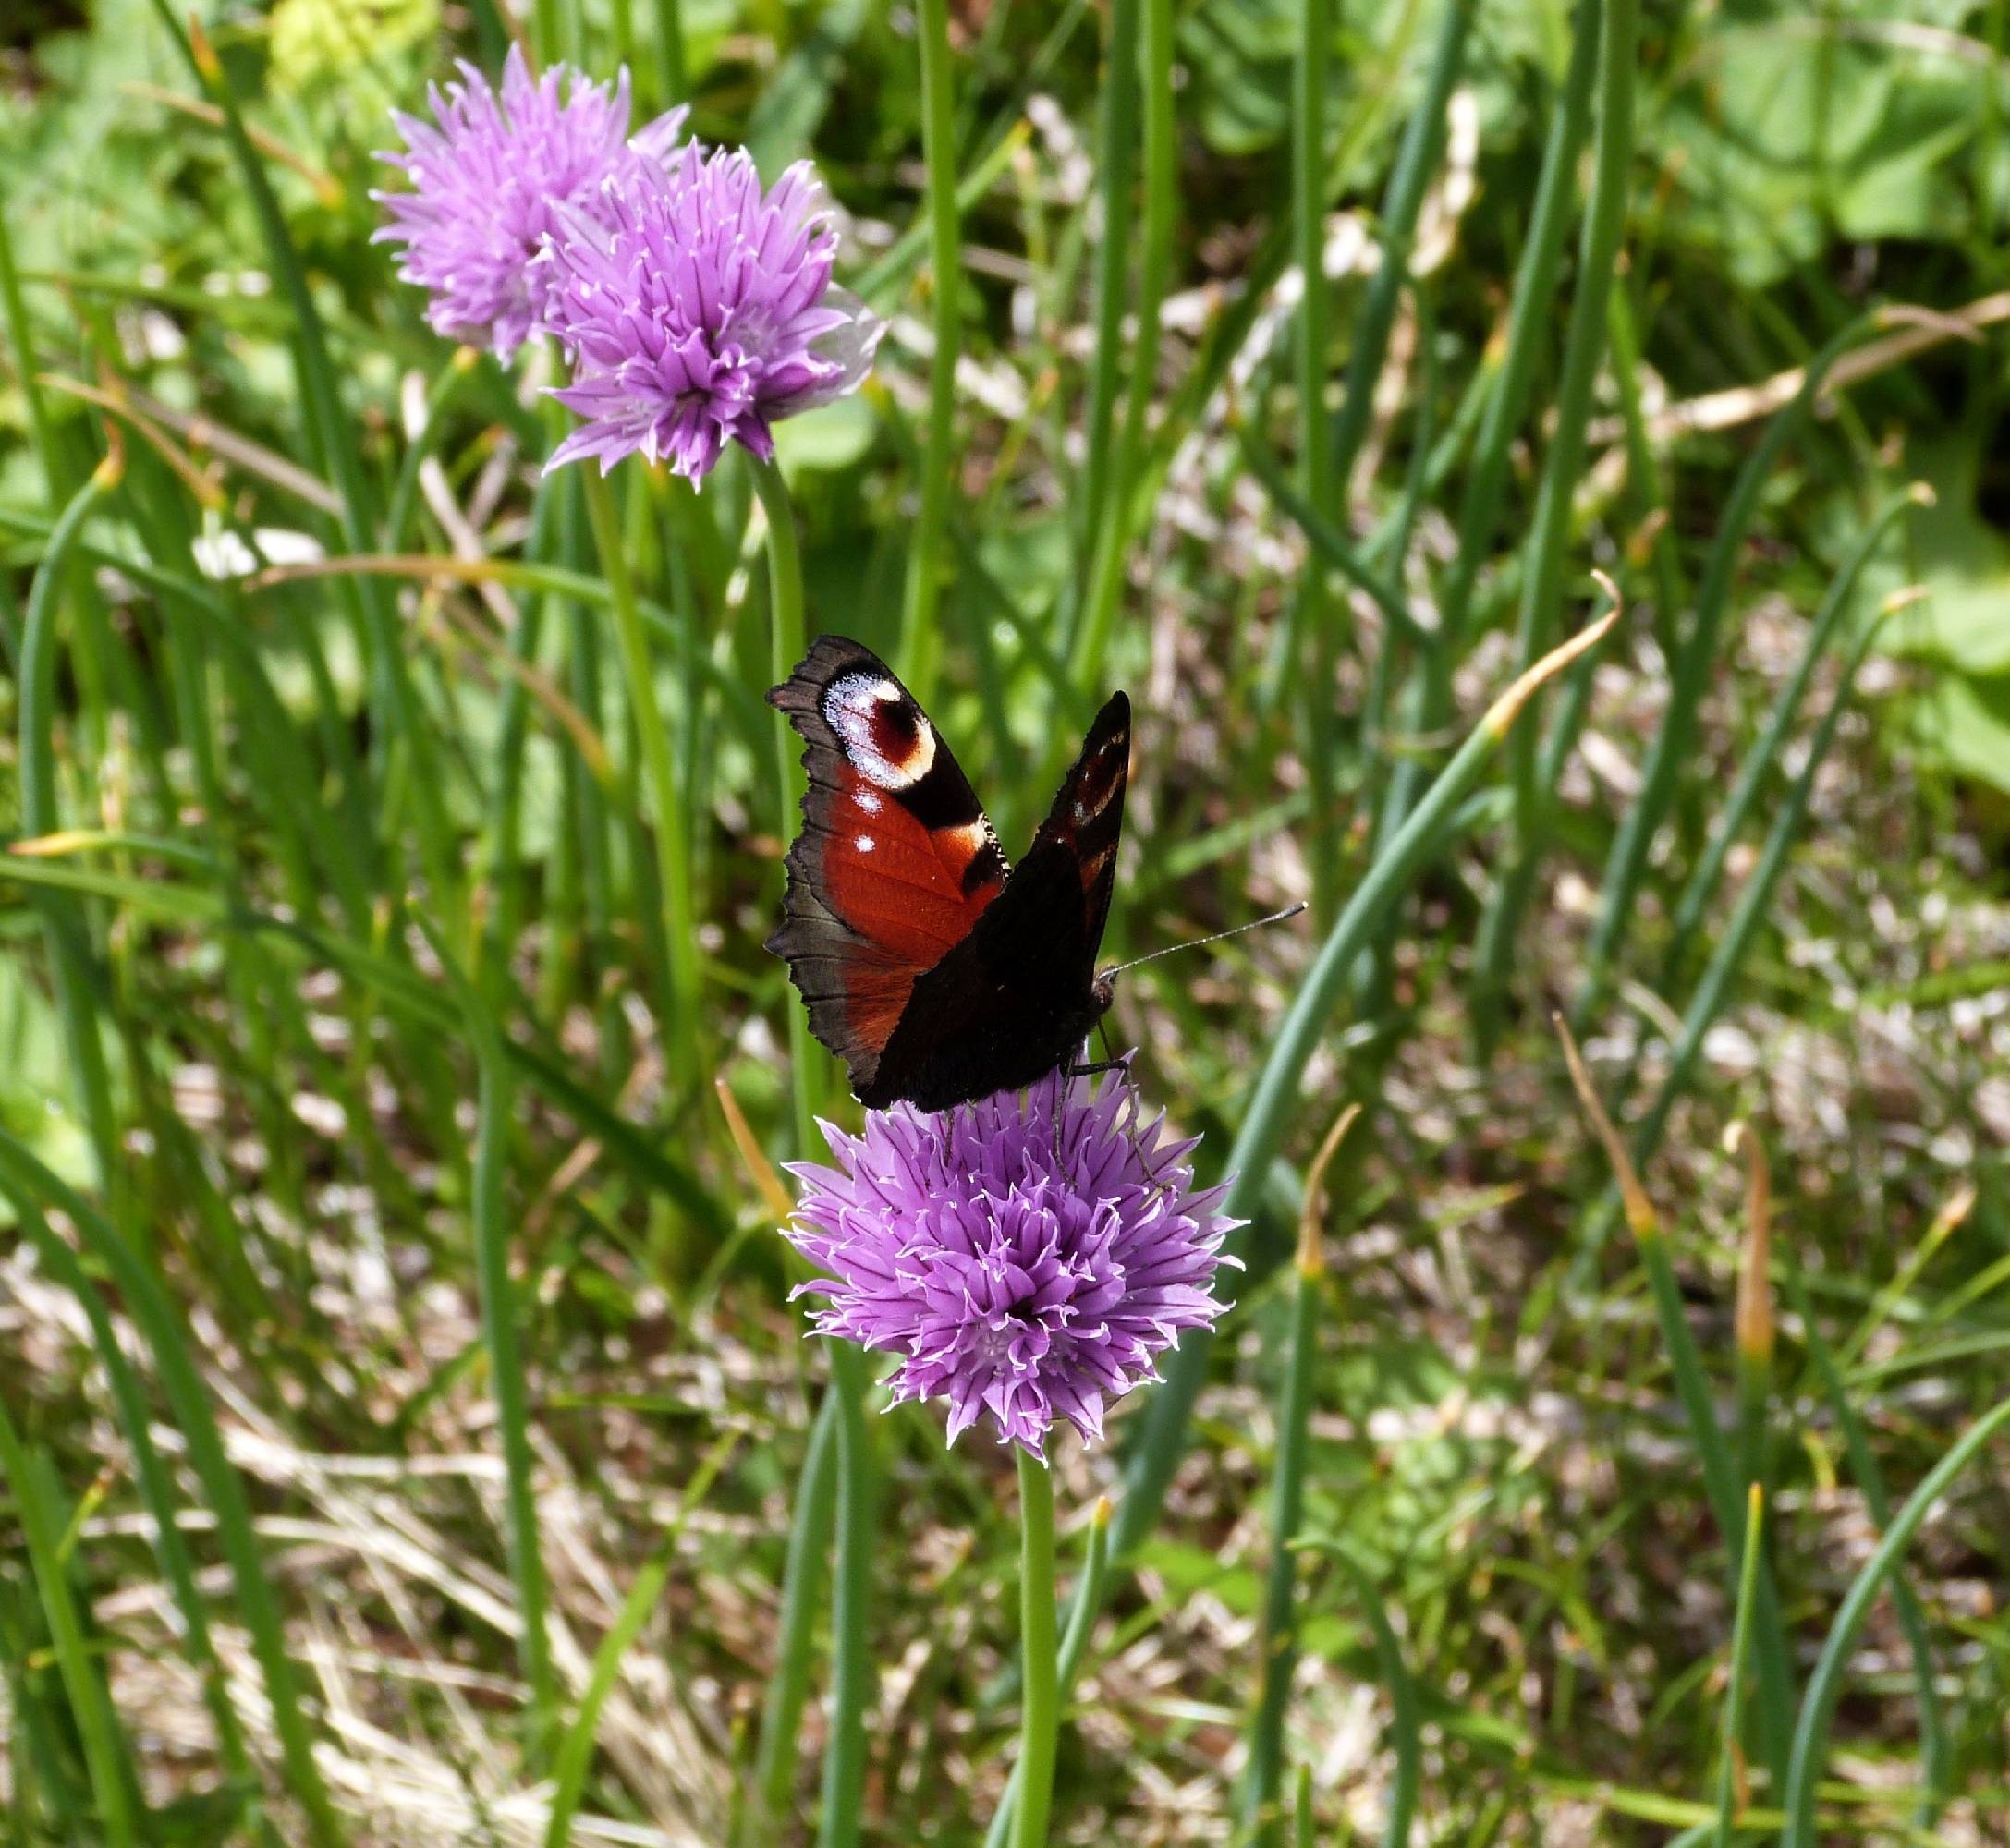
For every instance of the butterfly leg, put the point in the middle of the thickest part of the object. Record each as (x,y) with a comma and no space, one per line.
(1072,1071)
(1092,1068)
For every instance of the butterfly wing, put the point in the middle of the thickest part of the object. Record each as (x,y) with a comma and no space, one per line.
(1087,819)
(1015,998)
(896,862)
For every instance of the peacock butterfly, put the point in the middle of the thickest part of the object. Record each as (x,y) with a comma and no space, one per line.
(936,971)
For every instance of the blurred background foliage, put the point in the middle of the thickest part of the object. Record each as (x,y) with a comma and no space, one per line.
(1494,1437)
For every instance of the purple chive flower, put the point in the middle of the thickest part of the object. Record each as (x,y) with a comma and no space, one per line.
(1019,1284)
(488,183)
(699,308)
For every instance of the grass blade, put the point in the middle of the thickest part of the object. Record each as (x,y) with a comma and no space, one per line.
(1713,1451)
(1276,1092)
(1529,324)
(1825,1684)
(802,1595)
(63,919)
(1406,1720)
(1279,1633)
(1541,587)
(1115,512)
(1752,905)
(332,433)
(1730,1775)
(685,1044)
(576,1749)
(1116,151)
(921,641)
(851,1679)
(503,1338)
(23,1177)
(105,1753)
(1934,1746)
(1690,670)
(1758,760)
(157,1488)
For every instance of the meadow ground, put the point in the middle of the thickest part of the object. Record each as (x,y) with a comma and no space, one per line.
(407,1435)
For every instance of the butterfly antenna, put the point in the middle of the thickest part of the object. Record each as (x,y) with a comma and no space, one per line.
(1194,942)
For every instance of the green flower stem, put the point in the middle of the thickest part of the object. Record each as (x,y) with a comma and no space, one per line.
(672,73)
(920,636)
(1542,579)
(1040,1690)
(1825,1685)
(502,852)
(681,1033)
(1278,1086)
(1083,1611)
(851,1652)
(785,627)
(851,1667)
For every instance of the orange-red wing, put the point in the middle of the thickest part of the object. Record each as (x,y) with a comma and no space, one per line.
(896,861)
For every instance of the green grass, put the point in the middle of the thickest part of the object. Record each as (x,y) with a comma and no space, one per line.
(406,1432)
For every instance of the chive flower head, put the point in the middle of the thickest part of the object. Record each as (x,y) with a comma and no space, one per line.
(1027,1259)
(490,174)
(698,310)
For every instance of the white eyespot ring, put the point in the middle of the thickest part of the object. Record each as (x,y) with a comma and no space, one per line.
(850,709)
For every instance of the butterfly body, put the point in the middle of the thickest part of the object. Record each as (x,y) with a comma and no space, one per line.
(933,968)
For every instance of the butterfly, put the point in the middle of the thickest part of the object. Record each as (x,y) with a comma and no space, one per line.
(934,969)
